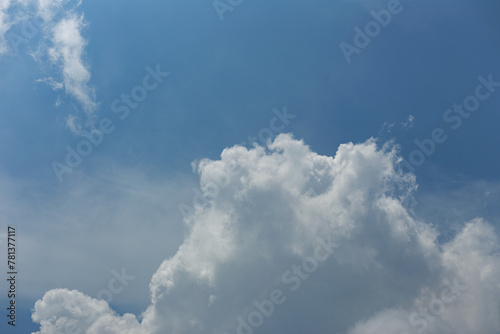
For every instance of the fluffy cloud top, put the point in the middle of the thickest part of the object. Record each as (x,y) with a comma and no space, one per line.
(332,236)
(73,312)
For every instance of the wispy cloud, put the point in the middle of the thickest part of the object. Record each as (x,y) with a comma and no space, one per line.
(47,9)
(68,52)
(5,24)
(62,40)
(55,85)
(409,122)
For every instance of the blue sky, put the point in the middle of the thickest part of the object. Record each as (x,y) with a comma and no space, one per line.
(227,80)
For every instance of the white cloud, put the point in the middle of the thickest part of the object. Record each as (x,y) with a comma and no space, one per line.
(5,24)
(409,122)
(68,51)
(268,216)
(47,9)
(55,85)
(473,258)
(63,27)
(77,313)
(386,127)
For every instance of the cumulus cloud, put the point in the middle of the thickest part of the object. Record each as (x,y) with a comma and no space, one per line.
(467,304)
(77,313)
(333,235)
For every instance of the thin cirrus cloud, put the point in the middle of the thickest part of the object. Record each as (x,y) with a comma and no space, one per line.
(62,28)
(47,9)
(68,51)
(4,25)
(263,212)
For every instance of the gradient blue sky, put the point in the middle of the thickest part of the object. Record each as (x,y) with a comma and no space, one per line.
(225,78)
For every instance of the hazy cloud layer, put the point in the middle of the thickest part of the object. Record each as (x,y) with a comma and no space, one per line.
(266,214)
